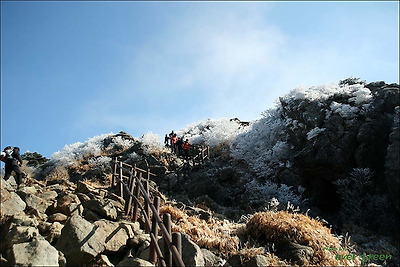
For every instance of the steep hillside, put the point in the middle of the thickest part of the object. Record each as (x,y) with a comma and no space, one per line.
(283,189)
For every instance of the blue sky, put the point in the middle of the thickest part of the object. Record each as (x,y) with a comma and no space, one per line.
(73,70)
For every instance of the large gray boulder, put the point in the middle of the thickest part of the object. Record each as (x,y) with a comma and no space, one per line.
(36,203)
(25,191)
(11,203)
(80,241)
(191,252)
(103,207)
(114,235)
(84,188)
(35,253)
(68,204)
(20,234)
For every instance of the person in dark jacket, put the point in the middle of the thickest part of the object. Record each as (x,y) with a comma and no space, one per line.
(166,139)
(179,144)
(12,164)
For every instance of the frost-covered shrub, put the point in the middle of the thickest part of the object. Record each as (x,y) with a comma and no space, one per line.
(151,143)
(344,110)
(360,206)
(212,132)
(71,153)
(272,193)
(133,156)
(350,81)
(121,143)
(263,144)
(357,93)
(101,163)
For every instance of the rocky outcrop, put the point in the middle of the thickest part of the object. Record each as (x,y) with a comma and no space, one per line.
(43,225)
(331,137)
(392,165)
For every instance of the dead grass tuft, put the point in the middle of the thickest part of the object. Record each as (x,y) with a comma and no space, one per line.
(211,234)
(58,173)
(272,226)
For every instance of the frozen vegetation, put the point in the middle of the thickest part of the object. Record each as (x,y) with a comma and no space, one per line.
(329,148)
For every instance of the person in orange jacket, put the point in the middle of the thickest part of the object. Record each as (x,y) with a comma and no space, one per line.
(186,147)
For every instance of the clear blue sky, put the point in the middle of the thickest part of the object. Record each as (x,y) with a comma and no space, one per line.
(73,70)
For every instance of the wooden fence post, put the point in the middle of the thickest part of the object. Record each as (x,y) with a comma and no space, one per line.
(154,231)
(131,186)
(137,194)
(177,242)
(113,178)
(167,252)
(121,189)
(147,206)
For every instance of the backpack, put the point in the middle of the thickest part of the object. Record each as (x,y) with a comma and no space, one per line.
(7,154)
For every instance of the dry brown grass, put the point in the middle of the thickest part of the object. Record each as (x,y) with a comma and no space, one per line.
(58,173)
(211,234)
(273,226)
(269,226)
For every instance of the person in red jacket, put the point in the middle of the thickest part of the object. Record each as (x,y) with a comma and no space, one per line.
(186,147)
(173,143)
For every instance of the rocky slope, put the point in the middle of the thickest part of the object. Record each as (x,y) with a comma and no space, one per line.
(329,151)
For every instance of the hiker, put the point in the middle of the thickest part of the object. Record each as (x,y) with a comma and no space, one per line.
(166,139)
(186,147)
(179,144)
(12,160)
(173,143)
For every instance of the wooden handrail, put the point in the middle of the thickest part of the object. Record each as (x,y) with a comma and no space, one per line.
(157,220)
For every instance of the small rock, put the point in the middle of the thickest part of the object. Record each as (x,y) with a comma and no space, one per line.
(55,232)
(49,195)
(210,259)
(258,260)
(58,217)
(83,197)
(91,215)
(134,262)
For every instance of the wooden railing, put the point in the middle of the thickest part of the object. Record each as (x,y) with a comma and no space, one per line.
(128,179)
(197,157)
(203,153)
